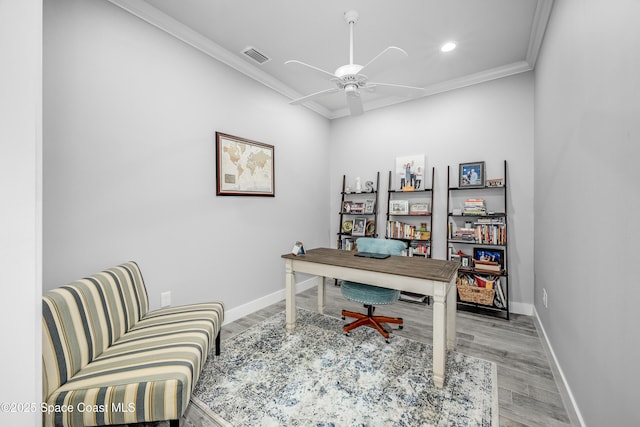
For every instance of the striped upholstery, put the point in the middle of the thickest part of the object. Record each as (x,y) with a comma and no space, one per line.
(103,350)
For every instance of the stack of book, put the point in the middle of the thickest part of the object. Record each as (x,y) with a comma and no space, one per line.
(487,266)
(474,207)
(464,234)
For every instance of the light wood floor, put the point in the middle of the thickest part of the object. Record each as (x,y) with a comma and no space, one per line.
(529,393)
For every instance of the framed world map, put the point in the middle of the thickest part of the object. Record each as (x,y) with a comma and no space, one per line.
(244,167)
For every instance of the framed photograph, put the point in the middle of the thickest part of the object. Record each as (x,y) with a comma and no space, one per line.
(410,172)
(244,167)
(359,226)
(471,175)
(346,206)
(399,207)
(465,261)
(489,256)
(369,206)
(419,209)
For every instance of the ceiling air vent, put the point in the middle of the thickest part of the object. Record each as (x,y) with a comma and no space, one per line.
(256,55)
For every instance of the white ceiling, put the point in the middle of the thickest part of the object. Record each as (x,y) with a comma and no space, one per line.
(495,38)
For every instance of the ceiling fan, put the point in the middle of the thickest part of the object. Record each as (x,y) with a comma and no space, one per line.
(352,78)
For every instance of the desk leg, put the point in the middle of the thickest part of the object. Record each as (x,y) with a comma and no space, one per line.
(290,296)
(439,333)
(321,281)
(451,307)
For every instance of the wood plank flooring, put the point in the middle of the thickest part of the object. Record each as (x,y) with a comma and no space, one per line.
(529,393)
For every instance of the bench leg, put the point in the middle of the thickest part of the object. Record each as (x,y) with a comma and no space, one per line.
(217,347)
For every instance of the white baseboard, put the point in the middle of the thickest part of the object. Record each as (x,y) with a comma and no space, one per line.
(559,368)
(236,313)
(521,308)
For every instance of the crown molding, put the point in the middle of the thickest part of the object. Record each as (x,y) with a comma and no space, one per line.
(449,85)
(164,22)
(538,28)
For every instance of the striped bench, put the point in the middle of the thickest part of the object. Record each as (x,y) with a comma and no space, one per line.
(107,359)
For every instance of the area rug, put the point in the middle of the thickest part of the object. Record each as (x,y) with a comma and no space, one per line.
(319,376)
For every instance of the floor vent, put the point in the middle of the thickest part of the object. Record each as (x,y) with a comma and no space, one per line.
(256,55)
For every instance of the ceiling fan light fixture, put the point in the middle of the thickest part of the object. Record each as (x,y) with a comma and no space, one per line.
(351,89)
(448,47)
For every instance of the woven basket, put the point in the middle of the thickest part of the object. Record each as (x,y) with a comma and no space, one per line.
(476,294)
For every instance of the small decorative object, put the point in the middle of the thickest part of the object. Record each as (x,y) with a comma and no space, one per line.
(244,167)
(423,226)
(347,190)
(467,224)
(369,206)
(358,185)
(347,226)
(346,206)
(398,207)
(496,182)
(369,185)
(298,249)
(371,228)
(457,211)
(359,226)
(471,175)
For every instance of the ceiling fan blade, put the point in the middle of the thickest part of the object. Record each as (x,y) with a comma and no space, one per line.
(314,96)
(316,69)
(399,90)
(386,59)
(355,103)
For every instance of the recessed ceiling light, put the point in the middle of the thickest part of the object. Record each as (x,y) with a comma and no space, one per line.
(448,47)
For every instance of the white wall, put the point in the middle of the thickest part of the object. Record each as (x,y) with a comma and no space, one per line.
(587,147)
(129,120)
(492,122)
(21,208)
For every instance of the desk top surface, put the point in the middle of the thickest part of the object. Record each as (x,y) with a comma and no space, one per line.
(422,268)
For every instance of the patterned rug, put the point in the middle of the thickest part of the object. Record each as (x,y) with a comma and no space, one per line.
(318,376)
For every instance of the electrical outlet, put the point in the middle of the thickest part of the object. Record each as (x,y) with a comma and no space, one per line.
(544,297)
(165,299)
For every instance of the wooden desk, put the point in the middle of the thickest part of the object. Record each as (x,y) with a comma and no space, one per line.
(423,276)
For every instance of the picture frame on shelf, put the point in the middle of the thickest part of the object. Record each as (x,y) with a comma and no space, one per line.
(465,261)
(359,226)
(419,208)
(489,255)
(346,206)
(369,206)
(471,175)
(399,207)
(233,154)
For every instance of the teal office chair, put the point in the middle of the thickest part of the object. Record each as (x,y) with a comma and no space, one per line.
(370,295)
